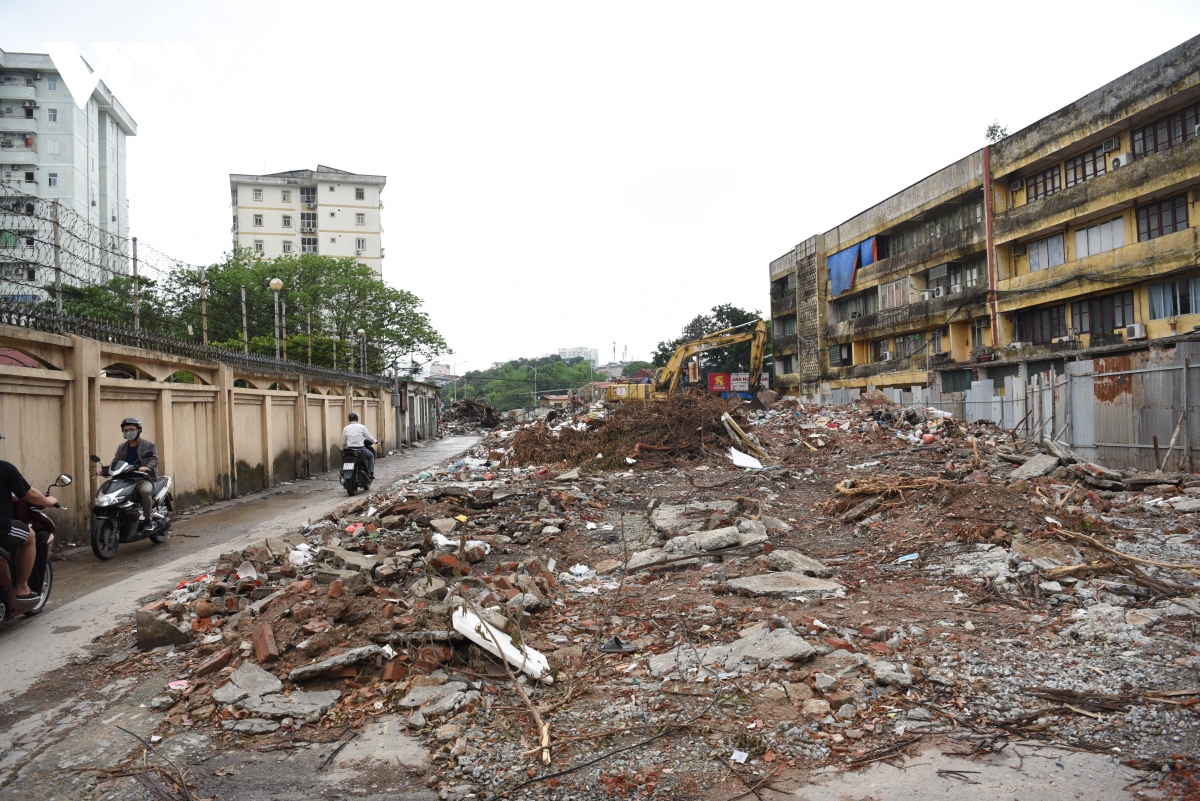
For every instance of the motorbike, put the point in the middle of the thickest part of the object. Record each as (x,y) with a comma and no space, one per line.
(118,510)
(355,475)
(41,579)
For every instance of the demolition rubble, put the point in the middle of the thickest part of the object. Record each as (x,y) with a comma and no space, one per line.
(603,605)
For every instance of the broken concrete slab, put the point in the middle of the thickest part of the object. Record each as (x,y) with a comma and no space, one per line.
(775,524)
(749,532)
(689,516)
(570,475)
(248,680)
(757,646)
(250,726)
(310,706)
(1041,465)
(1061,452)
(796,562)
(443,525)
(1186,505)
(703,541)
(435,700)
(347,560)
(783,585)
(326,666)
(155,632)
(861,510)
(1046,553)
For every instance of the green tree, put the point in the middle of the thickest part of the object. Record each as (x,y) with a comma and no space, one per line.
(632,367)
(733,359)
(511,385)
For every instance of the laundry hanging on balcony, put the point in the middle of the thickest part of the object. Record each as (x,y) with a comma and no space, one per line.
(868,253)
(841,270)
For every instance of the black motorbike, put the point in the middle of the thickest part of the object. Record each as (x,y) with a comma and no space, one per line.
(41,578)
(355,475)
(118,510)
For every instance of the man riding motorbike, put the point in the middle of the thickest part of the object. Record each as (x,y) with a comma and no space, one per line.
(142,455)
(358,437)
(13,484)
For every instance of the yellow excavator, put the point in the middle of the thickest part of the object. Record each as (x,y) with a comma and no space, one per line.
(667,378)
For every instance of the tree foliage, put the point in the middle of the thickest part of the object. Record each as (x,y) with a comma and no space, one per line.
(733,359)
(511,385)
(995,132)
(632,367)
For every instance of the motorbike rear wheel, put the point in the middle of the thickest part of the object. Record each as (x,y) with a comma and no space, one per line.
(350,485)
(164,527)
(105,539)
(47,583)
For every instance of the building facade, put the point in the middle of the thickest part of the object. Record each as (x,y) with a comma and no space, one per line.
(1074,237)
(591,354)
(325,210)
(53,150)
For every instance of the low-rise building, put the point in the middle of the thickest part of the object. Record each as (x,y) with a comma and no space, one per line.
(1072,237)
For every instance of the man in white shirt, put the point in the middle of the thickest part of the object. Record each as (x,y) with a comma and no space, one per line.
(356,435)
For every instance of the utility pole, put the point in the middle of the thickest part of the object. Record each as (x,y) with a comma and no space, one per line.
(137,294)
(284,327)
(276,285)
(204,305)
(245,328)
(308,333)
(362,358)
(58,262)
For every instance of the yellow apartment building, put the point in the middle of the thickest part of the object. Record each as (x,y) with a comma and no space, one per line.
(1072,238)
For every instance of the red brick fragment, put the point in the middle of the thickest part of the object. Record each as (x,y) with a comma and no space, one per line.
(395,671)
(215,662)
(335,588)
(265,649)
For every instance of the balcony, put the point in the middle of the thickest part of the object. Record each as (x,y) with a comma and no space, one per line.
(17,91)
(1148,174)
(953,246)
(17,123)
(907,364)
(923,314)
(23,156)
(783,303)
(308,229)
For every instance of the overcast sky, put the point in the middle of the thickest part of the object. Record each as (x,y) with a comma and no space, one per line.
(573,174)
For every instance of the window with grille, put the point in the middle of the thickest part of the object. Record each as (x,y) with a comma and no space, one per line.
(1100,237)
(1163,134)
(1044,184)
(1102,315)
(1046,253)
(1174,298)
(1085,167)
(1162,218)
(1042,326)
(308,244)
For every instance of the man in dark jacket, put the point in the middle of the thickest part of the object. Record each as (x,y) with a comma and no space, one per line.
(142,454)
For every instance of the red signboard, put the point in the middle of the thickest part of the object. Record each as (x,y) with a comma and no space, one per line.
(718,382)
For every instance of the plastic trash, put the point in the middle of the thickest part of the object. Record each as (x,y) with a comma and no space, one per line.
(616,646)
(740,757)
(180,684)
(908,557)
(529,661)
(247,571)
(581,571)
(591,526)
(744,459)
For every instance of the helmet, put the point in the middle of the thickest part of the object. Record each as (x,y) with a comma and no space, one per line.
(353,417)
(132,421)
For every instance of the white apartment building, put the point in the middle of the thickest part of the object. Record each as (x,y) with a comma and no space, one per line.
(591,354)
(52,149)
(327,211)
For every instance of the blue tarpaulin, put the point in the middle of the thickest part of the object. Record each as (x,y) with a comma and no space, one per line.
(866,250)
(841,270)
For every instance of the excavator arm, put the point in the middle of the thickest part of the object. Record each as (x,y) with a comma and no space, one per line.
(667,378)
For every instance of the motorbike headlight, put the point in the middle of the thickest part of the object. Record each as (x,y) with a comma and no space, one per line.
(106,500)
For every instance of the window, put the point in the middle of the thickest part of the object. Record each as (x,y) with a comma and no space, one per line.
(330,188)
(1042,326)
(287,221)
(287,246)
(52,85)
(893,295)
(1085,167)
(839,356)
(308,194)
(332,240)
(1102,315)
(29,113)
(258,194)
(52,147)
(858,306)
(258,246)
(235,197)
(970,213)
(235,222)
(979,331)
(1044,184)
(1167,132)
(258,221)
(286,196)
(908,345)
(360,219)
(29,178)
(360,244)
(1099,238)
(956,380)
(784,325)
(333,214)
(308,221)
(52,115)
(937,339)
(1174,298)
(359,193)
(975,272)
(52,180)
(1046,253)
(878,349)
(308,244)
(8,239)
(1161,218)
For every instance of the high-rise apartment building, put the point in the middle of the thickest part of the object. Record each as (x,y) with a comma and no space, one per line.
(1071,238)
(52,149)
(327,211)
(591,354)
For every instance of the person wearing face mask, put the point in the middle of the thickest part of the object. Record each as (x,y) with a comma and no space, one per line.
(142,455)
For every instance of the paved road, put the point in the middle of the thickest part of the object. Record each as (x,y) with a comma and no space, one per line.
(90,596)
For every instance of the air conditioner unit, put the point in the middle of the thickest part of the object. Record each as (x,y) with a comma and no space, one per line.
(1111,144)
(886,356)
(1019,250)
(358,252)
(956,289)
(1017,185)
(1060,340)
(926,294)
(29,104)
(938,291)
(1017,345)
(1196,131)
(1135,331)
(1121,160)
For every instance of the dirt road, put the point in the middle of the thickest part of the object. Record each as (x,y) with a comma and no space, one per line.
(90,595)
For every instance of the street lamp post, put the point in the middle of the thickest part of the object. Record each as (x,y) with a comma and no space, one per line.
(454,370)
(362,363)
(276,285)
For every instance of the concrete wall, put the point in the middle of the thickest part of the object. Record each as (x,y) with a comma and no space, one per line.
(228,432)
